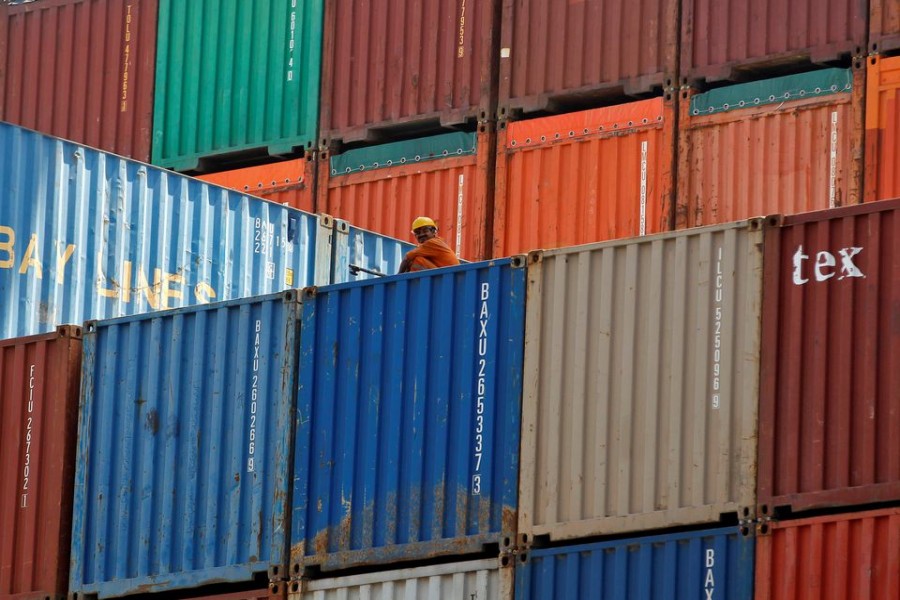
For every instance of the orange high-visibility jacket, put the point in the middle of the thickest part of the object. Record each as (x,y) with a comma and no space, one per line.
(432,254)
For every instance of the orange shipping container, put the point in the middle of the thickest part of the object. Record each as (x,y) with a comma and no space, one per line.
(882,174)
(853,556)
(785,145)
(383,188)
(289,182)
(582,177)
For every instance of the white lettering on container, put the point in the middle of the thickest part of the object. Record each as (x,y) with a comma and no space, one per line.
(459,213)
(126,61)
(709,582)
(481,387)
(461,42)
(825,263)
(29,421)
(643,227)
(291,41)
(832,185)
(254,398)
(719,292)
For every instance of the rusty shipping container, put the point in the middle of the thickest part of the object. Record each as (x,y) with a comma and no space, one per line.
(851,556)
(559,54)
(384,188)
(829,405)
(641,383)
(884,25)
(882,156)
(584,177)
(81,70)
(276,591)
(725,39)
(780,146)
(290,182)
(39,379)
(401,64)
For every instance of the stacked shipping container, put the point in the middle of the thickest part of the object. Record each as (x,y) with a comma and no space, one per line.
(291,182)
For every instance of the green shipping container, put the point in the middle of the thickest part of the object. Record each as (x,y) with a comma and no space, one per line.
(234,76)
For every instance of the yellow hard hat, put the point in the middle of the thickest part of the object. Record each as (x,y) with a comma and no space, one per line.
(422,222)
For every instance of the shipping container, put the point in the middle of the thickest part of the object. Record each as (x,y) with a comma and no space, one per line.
(81,70)
(780,146)
(39,376)
(401,65)
(712,563)
(384,188)
(584,177)
(276,591)
(476,579)
(184,447)
(641,387)
(884,26)
(557,55)
(829,406)
(235,77)
(882,128)
(88,235)
(360,254)
(290,182)
(851,556)
(409,417)
(729,39)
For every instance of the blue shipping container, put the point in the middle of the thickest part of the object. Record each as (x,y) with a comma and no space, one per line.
(183,460)
(90,235)
(354,247)
(408,416)
(714,563)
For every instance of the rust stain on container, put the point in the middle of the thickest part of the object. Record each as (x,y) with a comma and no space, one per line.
(722,38)
(559,54)
(855,555)
(882,156)
(829,405)
(584,177)
(39,379)
(290,182)
(82,70)
(401,64)
(884,25)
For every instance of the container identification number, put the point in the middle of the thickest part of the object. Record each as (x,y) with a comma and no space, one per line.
(126,60)
(717,332)
(29,421)
(254,398)
(461,43)
(481,384)
(291,41)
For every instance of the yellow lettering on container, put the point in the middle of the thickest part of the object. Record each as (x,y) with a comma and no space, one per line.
(166,292)
(8,246)
(204,293)
(31,258)
(61,261)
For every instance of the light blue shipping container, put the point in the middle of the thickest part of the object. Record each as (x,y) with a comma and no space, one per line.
(354,247)
(710,564)
(90,235)
(184,447)
(408,412)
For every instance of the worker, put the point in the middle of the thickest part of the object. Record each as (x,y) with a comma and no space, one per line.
(432,252)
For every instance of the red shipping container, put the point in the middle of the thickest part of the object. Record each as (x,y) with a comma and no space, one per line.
(290,182)
(852,556)
(584,177)
(884,25)
(882,172)
(720,39)
(275,591)
(452,187)
(559,54)
(780,146)
(405,64)
(82,70)
(39,379)
(829,432)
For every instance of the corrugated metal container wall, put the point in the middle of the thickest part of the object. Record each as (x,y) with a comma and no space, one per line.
(278,592)
(641,383)
(714,563)
(720,39)
(89,235)
(882,172)
(409,416)
(584,177)
(81,70)
(884,25)
(481,580)
(235,76)
(557,53)
(829,406)
(785,145)
(354,247)
(184,447)
(406,63)
(39,376)
(446,177)
(290,182)
(853,555)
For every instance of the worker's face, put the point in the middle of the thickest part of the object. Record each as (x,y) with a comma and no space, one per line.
(423,234)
